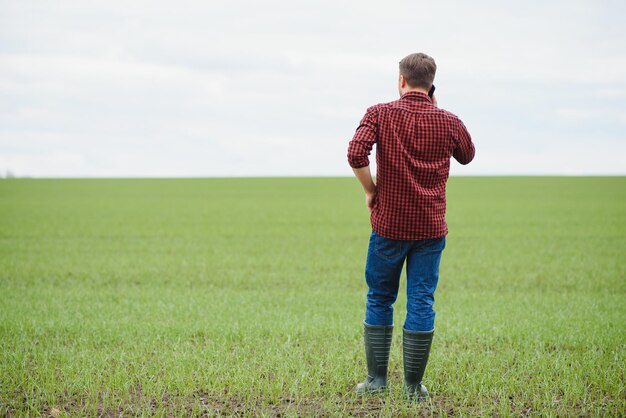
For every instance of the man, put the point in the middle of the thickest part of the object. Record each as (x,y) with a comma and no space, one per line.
(414,143)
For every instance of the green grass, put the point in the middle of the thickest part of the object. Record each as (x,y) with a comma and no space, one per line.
(246,297)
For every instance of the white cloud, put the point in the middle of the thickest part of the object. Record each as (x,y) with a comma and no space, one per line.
(256,88)
(54,163)
(597,115)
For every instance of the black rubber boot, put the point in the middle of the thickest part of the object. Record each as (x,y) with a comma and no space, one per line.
(415,348)
(377,346)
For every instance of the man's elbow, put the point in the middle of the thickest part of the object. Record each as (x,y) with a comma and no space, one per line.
(357,158)
(358,161)
(465,158)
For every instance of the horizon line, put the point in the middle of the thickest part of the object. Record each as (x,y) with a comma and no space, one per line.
(277,177)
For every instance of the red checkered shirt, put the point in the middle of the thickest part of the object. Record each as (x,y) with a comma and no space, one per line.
(414,143)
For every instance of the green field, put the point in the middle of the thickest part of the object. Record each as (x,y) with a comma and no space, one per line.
(246,297)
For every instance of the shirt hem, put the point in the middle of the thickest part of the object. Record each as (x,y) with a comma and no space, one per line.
(410,237)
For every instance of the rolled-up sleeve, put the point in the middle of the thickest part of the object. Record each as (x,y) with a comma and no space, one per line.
(464,151)
(364,139)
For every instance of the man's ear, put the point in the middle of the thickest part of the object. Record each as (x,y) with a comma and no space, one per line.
(402,81)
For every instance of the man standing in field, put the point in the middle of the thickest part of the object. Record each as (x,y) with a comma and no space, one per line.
(414,143)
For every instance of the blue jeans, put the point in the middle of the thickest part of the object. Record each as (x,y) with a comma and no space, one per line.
(385,258)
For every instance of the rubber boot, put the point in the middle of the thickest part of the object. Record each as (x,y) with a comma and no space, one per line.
(415,348)
(377,346)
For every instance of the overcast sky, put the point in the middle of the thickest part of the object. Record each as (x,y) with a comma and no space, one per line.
(245,88)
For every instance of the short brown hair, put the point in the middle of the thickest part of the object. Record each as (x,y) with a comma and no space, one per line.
(418,70)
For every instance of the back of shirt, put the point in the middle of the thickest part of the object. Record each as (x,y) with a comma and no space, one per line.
(415,141)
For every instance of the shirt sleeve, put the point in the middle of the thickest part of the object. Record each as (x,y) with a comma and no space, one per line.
(364,139)
(464,151)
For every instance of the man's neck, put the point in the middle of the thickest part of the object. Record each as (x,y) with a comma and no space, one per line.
(414,89)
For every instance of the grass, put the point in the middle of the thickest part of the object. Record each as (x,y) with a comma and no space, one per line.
(245,297)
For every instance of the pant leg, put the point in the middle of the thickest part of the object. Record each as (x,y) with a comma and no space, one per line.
(422,277)
(385,258)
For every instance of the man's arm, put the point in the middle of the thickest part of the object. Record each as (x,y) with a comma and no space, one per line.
(359,150)
(464,152)
(364,176)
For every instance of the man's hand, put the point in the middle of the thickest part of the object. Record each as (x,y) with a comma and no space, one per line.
(364,176)
(434,100)
(370,199)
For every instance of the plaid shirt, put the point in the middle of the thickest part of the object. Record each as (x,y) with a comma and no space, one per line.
(415,141)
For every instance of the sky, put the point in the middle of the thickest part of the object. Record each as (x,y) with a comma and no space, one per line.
(246,88)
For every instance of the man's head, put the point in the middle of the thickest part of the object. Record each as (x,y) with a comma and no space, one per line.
(417,72)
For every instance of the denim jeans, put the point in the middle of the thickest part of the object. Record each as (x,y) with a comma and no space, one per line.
(385,258)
